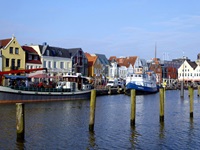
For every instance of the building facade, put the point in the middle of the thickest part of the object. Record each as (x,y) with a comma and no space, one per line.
(13,56)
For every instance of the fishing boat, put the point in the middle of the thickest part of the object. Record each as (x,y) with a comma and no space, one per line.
(144,83)
(76,87)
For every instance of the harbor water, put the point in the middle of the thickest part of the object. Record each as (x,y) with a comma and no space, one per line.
(65,125)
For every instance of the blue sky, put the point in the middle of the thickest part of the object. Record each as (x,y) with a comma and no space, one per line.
(110,27)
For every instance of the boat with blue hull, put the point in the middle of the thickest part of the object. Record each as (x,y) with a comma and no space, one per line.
(144,83)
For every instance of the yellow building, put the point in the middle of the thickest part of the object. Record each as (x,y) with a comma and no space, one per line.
(13,56)
(94,68)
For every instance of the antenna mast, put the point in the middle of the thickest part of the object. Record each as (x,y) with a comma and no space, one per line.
(155,50)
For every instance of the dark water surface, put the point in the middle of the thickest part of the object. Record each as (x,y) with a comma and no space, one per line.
(65,125)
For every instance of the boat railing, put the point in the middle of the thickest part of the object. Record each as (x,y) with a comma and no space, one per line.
(35,89)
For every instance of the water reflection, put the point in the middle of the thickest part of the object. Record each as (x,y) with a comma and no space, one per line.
(162,130)
(70,119)
(92,141)
(20,145)
(134,137)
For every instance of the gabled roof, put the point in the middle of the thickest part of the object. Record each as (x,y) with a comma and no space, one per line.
(4,42)
(54,51)
(192,64)
(129,60)
(91,59)
(124,61)
(29,50)
(73,51)
(103,59)
(112,58)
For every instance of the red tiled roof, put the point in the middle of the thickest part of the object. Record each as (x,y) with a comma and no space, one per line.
(91,59)
(29,49)
(4,42)
(34,61)
(112,57)
(124,61)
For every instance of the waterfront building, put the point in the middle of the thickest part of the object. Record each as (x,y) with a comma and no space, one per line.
(155,66)
(13,56)
(32,60)
(0,61)
(125,65)
(94,68)
(189,71)
(56,60)
(104,62)
(113,69)
(79,61)
(170,71)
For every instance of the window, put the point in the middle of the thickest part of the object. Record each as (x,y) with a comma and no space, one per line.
(11,50)
(49,64)
(13,62)
(47,52)
(61,65)
(7,62)
(18,63)
(35,57)
(16,50)
(29,57)
(54,64)
(45,64)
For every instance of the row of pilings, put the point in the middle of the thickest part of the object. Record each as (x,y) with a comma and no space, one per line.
(20,116)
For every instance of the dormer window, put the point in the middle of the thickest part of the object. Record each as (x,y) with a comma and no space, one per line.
(60,53)
(29,57)
(35,57)
(47,52)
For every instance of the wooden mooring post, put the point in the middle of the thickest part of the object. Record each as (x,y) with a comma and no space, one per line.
(20,122)
(133,107)
(92,110)
(182,89)
(191,93)
(161,91)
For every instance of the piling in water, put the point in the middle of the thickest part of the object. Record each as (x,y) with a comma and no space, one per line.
(182,89)
(92,110)
(191,93)
(20,123)
(198,90)
(161,91)
(133,107)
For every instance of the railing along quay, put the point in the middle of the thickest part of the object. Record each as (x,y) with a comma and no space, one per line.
(103,90)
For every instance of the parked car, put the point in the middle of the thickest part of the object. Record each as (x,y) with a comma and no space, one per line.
(112,83)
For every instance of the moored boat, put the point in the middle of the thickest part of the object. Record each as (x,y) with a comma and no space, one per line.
(75,87)
(144,83)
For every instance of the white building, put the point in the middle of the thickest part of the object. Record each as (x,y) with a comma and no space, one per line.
(189,71)
(56,60)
